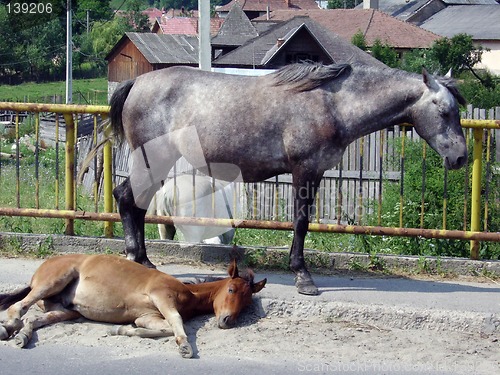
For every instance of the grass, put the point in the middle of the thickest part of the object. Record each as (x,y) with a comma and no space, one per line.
(85,91)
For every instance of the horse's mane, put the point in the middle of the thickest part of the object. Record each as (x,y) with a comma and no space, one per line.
(307,76)
(451,85)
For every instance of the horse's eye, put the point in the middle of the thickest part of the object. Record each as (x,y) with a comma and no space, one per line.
(230,291)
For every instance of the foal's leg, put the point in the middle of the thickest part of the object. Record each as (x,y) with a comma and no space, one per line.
(151,326)
(133,223)
(167,309)
(305,191)
(55,313)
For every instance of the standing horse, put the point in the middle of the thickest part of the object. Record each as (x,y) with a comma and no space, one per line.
(200,197)
(112,289)
(297,120)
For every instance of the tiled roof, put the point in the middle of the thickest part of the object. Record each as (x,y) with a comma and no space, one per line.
(372,23)
(258,51)
(480,21)
(261,5)
(187,25)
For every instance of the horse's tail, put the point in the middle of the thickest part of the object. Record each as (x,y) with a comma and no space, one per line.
(8,299)
(112,129)
(91,155)
(115,113)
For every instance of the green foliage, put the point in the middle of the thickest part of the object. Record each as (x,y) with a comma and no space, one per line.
(341,4)
(359,40)
(457,53)
(385,53)
(433,207)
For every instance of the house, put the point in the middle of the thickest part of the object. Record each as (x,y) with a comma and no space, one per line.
(297,39)
(482,22)
(236,30)
(258,8)
(139,53)
(374,25)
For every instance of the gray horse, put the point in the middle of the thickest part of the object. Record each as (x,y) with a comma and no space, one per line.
(297,120)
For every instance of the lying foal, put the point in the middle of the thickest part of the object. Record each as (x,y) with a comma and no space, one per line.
(112,289)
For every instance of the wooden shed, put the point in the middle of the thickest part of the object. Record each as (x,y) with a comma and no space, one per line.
(139,53)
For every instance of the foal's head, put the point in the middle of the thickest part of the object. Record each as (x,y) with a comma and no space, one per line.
(234,294)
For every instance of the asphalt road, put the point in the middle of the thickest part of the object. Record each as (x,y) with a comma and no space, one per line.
(390,302)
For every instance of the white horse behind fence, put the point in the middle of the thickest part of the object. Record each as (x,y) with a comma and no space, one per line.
(198,196)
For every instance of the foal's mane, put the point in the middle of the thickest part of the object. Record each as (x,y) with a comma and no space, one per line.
(306,76)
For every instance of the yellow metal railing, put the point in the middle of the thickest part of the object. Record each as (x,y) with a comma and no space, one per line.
(70,213)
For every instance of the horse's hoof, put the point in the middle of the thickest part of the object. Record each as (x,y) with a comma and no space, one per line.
(4,335)
(306,286)
(146,262)
(186,350)
(21,340)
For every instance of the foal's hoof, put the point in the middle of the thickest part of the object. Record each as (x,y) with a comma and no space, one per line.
(21,340)
(306,286)
(186,350)
(4,335)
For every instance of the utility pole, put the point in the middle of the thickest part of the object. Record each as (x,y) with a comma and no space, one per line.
(205,51)
(69,55)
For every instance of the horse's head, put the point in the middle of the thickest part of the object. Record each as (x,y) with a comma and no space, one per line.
(436,118)
(235,294)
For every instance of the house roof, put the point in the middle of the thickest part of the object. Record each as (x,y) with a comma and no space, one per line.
(236,29)
(372,23)
(184,25)
(162,48)
(259,51)
(404,9)
(179,25)
(261,5)
(480,21)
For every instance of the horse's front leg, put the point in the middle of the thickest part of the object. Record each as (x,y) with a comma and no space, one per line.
(133,224)
(304,193)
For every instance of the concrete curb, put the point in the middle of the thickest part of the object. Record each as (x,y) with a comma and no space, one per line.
(269,258)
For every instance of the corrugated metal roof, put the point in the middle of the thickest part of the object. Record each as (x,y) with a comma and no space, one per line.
(480,21)
(166,48)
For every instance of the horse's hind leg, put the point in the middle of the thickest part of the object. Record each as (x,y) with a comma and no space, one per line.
(133,223)
(56,313)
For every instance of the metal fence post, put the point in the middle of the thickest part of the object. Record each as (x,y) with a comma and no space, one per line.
(70,171)
(476,190)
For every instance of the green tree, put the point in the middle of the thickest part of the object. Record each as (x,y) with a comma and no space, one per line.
(359,40)
(341,4)
(385,53)
(105,35)
(457,53)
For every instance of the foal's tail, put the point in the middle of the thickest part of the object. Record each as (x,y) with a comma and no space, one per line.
(115,113)
(8,299)
(113,132)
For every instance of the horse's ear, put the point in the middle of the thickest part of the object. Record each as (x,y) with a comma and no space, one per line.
(257,287)
(233,269)
(429,80)
(448,75)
